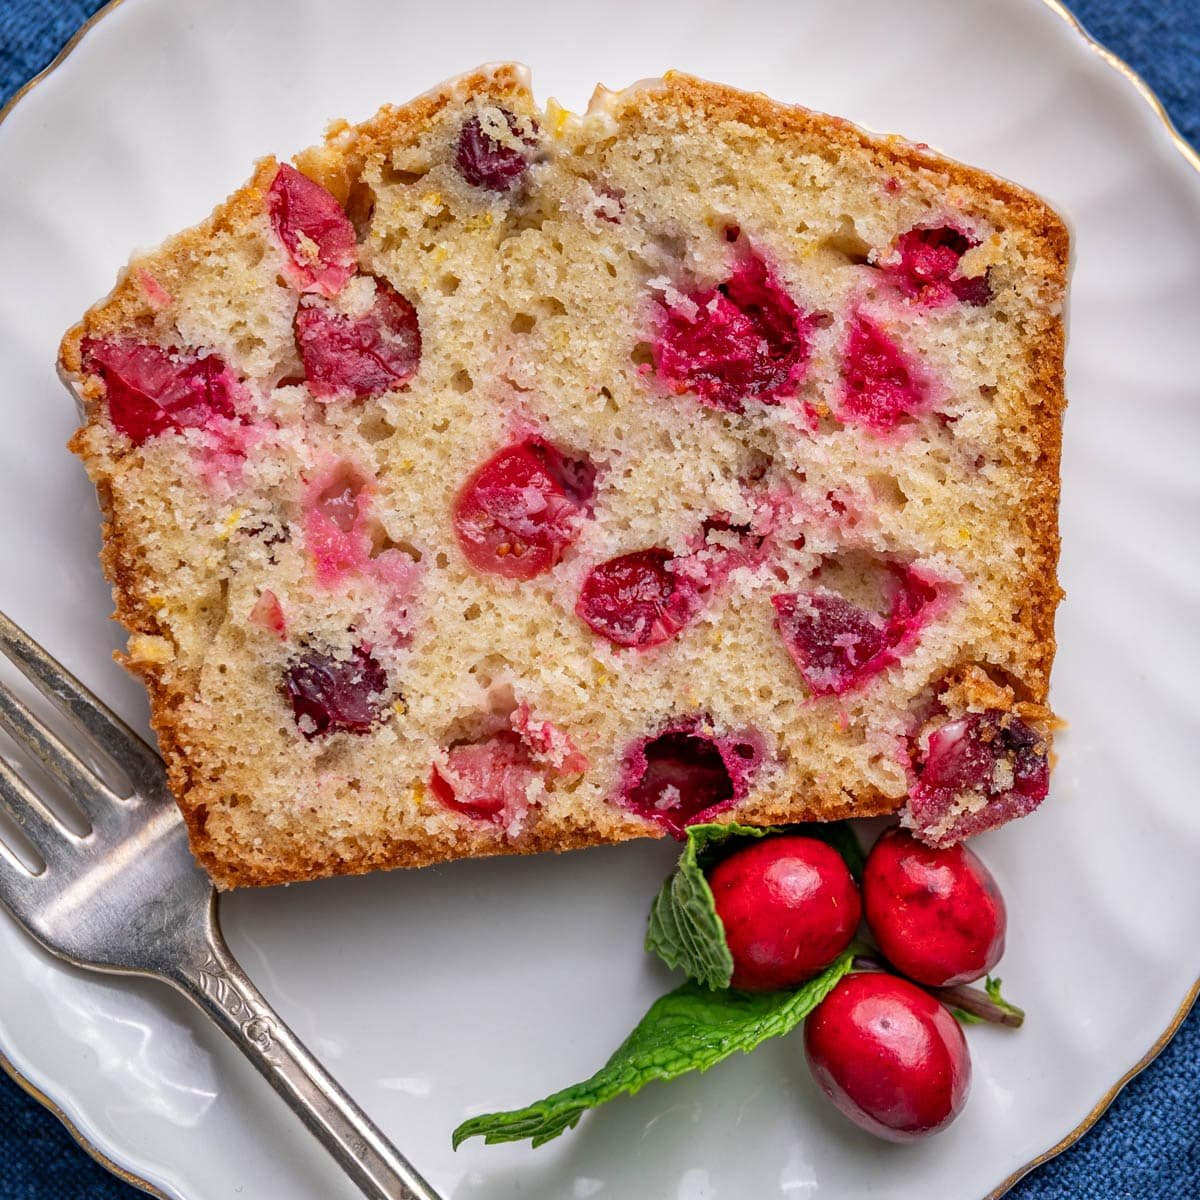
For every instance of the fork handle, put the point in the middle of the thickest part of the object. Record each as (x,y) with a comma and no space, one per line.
(212,979)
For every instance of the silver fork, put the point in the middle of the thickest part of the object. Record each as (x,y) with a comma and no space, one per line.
(129,899)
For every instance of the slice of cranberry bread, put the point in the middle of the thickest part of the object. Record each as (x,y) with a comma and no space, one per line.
(499,480)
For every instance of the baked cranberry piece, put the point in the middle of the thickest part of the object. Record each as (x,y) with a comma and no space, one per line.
(927,270)
(881,388)
(315,232)
(789,907)
(335,695)
(151,390)
(358,357)
(487,162)
(980,771)
(837,645)
(520,510)
(744,340)
(889,1056)
(638,599)
(486,780)
(685,774)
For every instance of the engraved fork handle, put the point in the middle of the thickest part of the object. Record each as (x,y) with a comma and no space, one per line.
(207,973)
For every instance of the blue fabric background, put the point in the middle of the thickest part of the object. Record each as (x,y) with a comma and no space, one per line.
(1148,1145)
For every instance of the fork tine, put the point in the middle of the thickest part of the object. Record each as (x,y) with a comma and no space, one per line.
(89,712)
(52,840)
(81,783)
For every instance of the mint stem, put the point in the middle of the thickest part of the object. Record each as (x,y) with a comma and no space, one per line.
(971,1000)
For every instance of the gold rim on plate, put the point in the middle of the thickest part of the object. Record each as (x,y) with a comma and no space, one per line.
(1101,1106)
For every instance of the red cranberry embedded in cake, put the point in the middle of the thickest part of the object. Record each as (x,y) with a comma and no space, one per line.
(335,695)
(486,780)
(520,510)
(928,266)
(744,340)
(684,774)
(881,389)
(336,527)
(487,162)
(979,771)
(638,599)
(151,390)
(267,614)
(837,645)
(358,357)
(315,232)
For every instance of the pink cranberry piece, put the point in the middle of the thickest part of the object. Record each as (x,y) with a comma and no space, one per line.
(744,340)
(991,755)
(485,162)
(338,501)
(359,357)
(315,232)
(332,695)
(833,643)
(928,268)
(520,510)
(684,775)
(881,389)
(151,390)
(638,599)
(267,614)
(789,907)
(486,780)
(937,915)
(889,1057)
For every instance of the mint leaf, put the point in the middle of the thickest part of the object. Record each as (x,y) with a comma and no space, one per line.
(684,929)
(689,1029)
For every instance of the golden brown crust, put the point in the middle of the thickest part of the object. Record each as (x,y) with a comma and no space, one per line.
(337,164)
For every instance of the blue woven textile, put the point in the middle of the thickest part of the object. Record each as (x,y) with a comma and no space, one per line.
(1148,1145)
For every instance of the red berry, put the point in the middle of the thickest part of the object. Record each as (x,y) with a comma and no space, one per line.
(356,358)
(151,390)
(889,1056)
(638,599)
(315,232)
(881,388)
(485,162)
(744,340)
(789,907)
(486,780)
(937,915)
(684,775)
(332,695)
(928,267)
(993,756)
(836,645)
(520,510)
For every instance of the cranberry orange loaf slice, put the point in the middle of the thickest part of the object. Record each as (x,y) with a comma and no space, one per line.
(497,480)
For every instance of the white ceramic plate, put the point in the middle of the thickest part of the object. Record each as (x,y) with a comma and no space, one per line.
(437,994)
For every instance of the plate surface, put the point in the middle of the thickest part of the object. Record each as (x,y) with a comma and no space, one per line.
(437,994)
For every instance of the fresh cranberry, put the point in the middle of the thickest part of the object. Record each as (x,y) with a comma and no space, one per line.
(937,915)
(684,775)
(151,390)
(332,695)
(638,599)
(836,645)
(358,357)
(889,1056)
(993,757)
(927,271)
(486,780)
(789,907)
(744,340)
(485,162)
(315,232)
(520,510)
(881,389)
(267,614)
